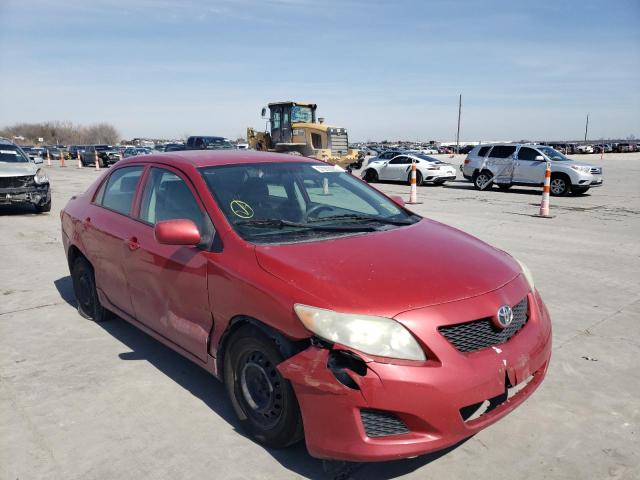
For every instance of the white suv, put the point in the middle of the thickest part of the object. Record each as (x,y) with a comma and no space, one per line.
(524,164)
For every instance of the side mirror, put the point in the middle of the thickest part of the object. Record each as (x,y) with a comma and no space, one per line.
(540,158)
(264,112)
(177,232)
(397,199)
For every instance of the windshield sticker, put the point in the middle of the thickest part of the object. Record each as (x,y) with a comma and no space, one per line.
(327,168)
(241,209)
(9,152)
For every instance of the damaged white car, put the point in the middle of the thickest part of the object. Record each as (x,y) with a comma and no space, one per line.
(21,180)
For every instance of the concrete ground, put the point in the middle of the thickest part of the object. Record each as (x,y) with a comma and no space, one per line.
(85,401)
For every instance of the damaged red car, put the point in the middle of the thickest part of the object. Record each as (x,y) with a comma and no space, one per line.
(331,313)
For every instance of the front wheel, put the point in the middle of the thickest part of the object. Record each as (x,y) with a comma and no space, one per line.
(263,400)
(371,176)
(560,185)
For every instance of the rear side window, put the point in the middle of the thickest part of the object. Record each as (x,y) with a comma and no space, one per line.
(167,197)
(483,151)
(527,153)
(502,151)
(118,191)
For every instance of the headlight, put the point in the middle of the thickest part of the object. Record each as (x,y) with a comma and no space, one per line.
(527,273)
(40,177)
(580,168)
(373,335)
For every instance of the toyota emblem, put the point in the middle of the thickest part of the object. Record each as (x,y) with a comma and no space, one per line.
(504,316)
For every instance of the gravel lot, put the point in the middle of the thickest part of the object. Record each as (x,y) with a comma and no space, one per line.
(80,400)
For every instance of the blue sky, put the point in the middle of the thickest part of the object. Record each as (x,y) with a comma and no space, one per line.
(384,70)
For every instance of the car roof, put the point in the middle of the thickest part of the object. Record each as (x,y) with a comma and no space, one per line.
(208,158)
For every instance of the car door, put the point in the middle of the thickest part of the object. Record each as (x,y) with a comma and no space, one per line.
(501,163)
(527,168)
(106,228)
(395,168)
(168,283)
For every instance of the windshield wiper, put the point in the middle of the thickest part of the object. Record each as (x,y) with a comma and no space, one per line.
(280,224)
(364,218)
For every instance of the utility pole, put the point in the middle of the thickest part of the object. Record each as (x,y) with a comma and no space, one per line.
(586,128)
(458,133)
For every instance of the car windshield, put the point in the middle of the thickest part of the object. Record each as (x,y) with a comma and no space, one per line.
(293,202)
(553,154)
(301,114)
(12,154)
(212,143)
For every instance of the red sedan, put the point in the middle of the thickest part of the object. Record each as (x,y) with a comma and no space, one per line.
(330,311)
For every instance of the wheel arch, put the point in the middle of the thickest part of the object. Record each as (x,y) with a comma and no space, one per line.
(285,346)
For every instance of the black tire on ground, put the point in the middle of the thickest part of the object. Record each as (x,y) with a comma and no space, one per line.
(84,288)
(503,187)
(370,176)
(579,190)
(45,207)
(263,400)
(481,180)
(418,178)
(560,185)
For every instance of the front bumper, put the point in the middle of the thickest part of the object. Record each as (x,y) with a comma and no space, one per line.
(35,194)
(426,397)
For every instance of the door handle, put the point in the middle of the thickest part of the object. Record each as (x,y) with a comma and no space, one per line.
(133,244)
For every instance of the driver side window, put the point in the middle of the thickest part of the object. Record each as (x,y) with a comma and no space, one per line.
(527,153)
(399,160)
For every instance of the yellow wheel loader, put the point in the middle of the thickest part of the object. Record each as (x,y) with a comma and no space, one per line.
(292,127)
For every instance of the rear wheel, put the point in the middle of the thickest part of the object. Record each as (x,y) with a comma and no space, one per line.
(560,185)
(482,180)
(263,400)
(418,178)
(371,176)
(84,288)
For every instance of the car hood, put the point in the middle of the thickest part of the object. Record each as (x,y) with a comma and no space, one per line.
(17,169)
(388,272)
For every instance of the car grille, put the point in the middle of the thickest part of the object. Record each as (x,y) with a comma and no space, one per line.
(338,141)
(16,182)
(596,170)
(378,423)
(479,334)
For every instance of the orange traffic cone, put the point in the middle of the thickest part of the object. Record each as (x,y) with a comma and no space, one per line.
(97,161)
(544,204)
(413,195)
(79,159)
(48,158)
(62,159)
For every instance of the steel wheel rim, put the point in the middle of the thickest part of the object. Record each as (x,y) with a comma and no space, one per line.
(557,185)
(261,389)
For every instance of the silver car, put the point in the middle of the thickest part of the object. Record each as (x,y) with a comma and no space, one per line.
(21,180)
(506,165)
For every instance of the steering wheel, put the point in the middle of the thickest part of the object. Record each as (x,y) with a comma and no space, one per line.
(316,209)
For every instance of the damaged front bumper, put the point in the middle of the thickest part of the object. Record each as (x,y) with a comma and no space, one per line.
(356,408)
(38,194)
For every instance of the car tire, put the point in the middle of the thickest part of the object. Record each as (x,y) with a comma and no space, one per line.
(419,180)
(579,190)
(263,400)
(45,207)
(481,180)
(560,185)
(84,288)
(371,176)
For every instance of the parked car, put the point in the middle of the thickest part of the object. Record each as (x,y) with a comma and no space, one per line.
(293,298)
(74,149)
(22,181)
(506,165)
(428,170)
(88,155)
(32,153)
(584,149)
(208,143)
(174,147)
(385,156)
